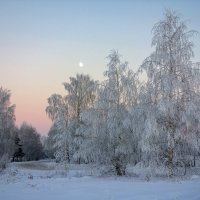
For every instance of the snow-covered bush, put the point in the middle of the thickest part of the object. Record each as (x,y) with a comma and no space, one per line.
(4,160)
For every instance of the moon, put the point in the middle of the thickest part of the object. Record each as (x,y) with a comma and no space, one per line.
(80,64)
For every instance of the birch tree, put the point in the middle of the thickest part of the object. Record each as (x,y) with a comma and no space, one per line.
(169,71)
(7,124)
(115,96)
(57,111)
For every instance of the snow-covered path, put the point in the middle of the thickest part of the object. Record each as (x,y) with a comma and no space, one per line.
(42,187)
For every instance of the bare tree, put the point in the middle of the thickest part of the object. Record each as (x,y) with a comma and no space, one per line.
(30,139)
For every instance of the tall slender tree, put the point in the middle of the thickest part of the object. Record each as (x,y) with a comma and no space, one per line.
(169,71)
(116,96)
(7,123)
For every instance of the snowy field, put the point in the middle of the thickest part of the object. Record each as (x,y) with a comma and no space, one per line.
(45,181)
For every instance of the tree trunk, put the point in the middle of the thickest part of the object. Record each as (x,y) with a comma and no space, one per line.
(194,160)
(120,169)
(170,161)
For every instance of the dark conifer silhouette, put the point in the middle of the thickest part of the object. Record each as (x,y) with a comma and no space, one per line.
(19,154)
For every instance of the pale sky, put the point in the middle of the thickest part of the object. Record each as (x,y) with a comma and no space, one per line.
(43,41)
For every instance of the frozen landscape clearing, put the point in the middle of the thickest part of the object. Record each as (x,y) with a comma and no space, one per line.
(43,180)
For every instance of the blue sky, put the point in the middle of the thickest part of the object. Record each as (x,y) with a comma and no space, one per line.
(42,42)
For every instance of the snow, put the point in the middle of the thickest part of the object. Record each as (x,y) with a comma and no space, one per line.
(30,183)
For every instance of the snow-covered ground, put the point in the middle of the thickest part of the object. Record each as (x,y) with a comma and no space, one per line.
(44,181)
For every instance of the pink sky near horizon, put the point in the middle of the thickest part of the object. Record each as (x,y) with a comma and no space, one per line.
(30,97)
